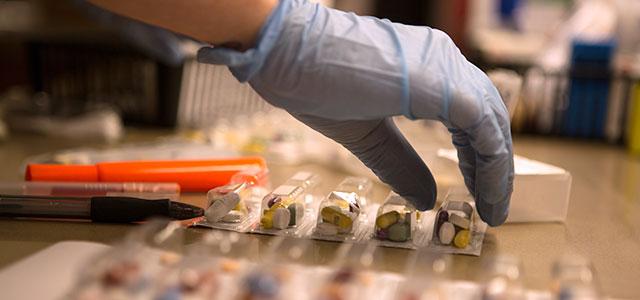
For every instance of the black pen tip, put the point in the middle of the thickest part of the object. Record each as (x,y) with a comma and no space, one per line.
(183,211)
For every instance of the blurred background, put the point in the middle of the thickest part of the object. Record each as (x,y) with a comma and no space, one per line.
(81,86)
(65,61)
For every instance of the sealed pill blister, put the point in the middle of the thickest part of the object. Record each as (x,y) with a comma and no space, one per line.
(354,275)
(290,208)
(398,224)
(425,277)
(341,215)
(456,227)
(205,272)
(128,270)
(573,277)
(194,278)
(282,274)
(236,206)
(502,278)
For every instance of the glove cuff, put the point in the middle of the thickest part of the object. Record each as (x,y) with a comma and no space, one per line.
(243,65)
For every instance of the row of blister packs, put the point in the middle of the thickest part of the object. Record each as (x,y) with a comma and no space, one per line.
(154,263)
(346,214)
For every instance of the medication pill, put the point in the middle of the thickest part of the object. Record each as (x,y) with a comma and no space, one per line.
(447,233)
(169,258)
(241,207)
(344,275)
(296,210)
(121,273)
(230,265)
(267,219)
(262,286)
(281,218)
(292,214)
(189,279)
(382,234)
(334,215)
(221,206)
(233,216)
(399,232)
(443,216)
(272,199)
(459,221)
(462,239)
(385,220)
(171,293)
(327,229)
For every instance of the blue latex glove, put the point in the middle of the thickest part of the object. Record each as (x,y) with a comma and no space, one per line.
(344,75)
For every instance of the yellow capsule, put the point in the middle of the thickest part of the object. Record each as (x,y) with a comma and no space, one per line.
(334,215)
(462,239)
(385,220)
(267,219)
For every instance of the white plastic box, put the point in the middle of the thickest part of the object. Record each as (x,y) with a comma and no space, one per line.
(541,191)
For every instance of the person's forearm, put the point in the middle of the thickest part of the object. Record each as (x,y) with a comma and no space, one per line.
(235,22)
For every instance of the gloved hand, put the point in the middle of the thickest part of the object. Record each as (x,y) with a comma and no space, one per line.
(344,75)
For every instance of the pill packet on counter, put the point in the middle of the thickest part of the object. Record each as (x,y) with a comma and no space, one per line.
(456,227)
(501,278)
(342,215)
(425,277)
(208,270)
(236,206)
(290,209)
(128,270)
(573,277)
(399,225)
(353,275)
(283,273)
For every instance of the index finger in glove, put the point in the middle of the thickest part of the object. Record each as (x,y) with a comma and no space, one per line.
(381,147)
(486,157)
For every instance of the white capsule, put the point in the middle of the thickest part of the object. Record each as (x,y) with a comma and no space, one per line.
(281,218)
(459,221)
(447,233)
(233,217)
(221,207)
(326,229)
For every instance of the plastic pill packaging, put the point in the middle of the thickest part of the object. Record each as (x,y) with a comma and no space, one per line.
(235,206)
(398,224)
(341,214)
(155,263)
(456,226)
(289,208)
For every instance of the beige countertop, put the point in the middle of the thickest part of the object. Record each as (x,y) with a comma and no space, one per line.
(603,221)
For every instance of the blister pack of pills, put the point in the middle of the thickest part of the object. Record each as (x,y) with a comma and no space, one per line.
(207,271)
(342,215)
(290,209)
(399,225)
(456,227)
(128,271)
(236,206)
(153,263)
(353,275)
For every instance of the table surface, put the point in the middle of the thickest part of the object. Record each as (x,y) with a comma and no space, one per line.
(603,222)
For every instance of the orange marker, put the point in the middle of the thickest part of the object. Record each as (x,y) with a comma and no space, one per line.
(191,175)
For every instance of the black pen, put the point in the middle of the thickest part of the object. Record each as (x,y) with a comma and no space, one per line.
(111,209)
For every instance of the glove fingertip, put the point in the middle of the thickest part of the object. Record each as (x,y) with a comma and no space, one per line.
(494,214)
(425,202)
